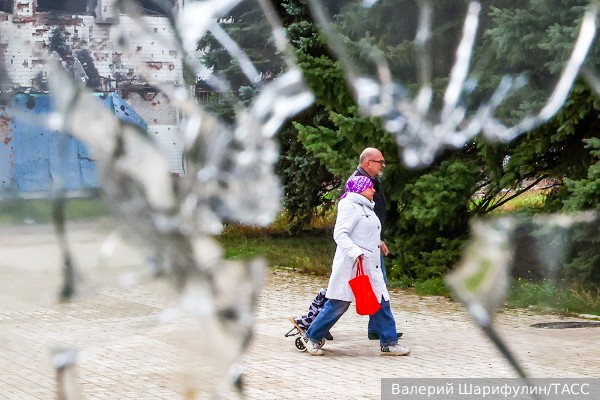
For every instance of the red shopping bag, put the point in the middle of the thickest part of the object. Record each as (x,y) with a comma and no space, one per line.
(366,300)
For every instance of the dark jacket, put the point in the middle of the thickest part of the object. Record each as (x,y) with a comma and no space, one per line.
(378,198)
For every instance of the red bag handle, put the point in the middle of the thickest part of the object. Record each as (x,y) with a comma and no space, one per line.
(359,268)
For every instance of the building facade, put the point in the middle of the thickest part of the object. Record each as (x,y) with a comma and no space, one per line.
(86,32)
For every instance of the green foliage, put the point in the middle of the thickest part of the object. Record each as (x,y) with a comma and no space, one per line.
(340,140)
(585,192)
(306,180)
(393,32)
(554,150)
(584,262)
(429,209)
(532,38)
(432,287)
(433,219)
(401,282)
(438,199)
(547,295)
(529,202)
(325,78)
(16,211)
(311,254)
(248,27)
(301,31)
(425,254)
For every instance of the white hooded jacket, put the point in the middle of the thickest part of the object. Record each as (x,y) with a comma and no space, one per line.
(357,231)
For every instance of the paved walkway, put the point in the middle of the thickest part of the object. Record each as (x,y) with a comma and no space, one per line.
(125,354)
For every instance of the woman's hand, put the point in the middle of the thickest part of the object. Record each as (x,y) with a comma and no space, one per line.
(361,257)
(384,249)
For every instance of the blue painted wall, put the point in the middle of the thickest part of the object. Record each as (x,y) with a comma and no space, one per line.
(33,158)
(7,150)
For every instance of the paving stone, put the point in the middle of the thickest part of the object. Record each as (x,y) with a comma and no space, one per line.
(124,353)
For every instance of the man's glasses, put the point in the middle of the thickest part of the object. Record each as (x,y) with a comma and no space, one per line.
(382,162)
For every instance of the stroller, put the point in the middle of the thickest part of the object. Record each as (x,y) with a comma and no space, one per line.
(302,323)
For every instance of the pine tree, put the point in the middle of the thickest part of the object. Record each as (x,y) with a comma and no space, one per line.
(429,209)
(584,262)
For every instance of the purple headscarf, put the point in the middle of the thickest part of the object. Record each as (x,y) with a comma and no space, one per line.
(357,184)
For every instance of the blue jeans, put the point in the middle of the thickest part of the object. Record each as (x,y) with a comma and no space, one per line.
(329,315)
(371,327)
(383,322)
(384,325)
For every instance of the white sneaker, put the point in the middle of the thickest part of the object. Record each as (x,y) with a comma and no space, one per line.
(396,350)
(313,348)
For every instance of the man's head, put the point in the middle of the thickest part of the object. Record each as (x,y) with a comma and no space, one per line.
(372,161)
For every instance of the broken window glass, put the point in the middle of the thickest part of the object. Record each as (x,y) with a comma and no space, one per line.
(440,73)
(119,84)
(531,257)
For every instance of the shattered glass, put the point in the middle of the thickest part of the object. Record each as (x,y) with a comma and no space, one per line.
(228,153)
(228,170)
(452,46)
(504,250)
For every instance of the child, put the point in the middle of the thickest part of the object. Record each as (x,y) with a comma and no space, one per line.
(303,322)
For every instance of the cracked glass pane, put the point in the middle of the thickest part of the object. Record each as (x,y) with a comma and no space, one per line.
(440,73)
(171,171)
(167,110)
(534,260)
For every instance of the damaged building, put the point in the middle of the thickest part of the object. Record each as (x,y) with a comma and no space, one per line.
(82,34)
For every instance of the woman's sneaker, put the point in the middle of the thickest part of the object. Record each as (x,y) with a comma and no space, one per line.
(396,350)
(313,348)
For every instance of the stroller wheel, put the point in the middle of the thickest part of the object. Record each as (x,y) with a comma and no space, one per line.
(300,345)
(322,342)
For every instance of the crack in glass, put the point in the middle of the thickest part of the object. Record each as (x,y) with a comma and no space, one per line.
(423,125)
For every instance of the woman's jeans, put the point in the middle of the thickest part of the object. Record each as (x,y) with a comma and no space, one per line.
(371,326)
(382,321)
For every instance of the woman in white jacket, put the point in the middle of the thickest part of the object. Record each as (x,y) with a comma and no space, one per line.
(357,234)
